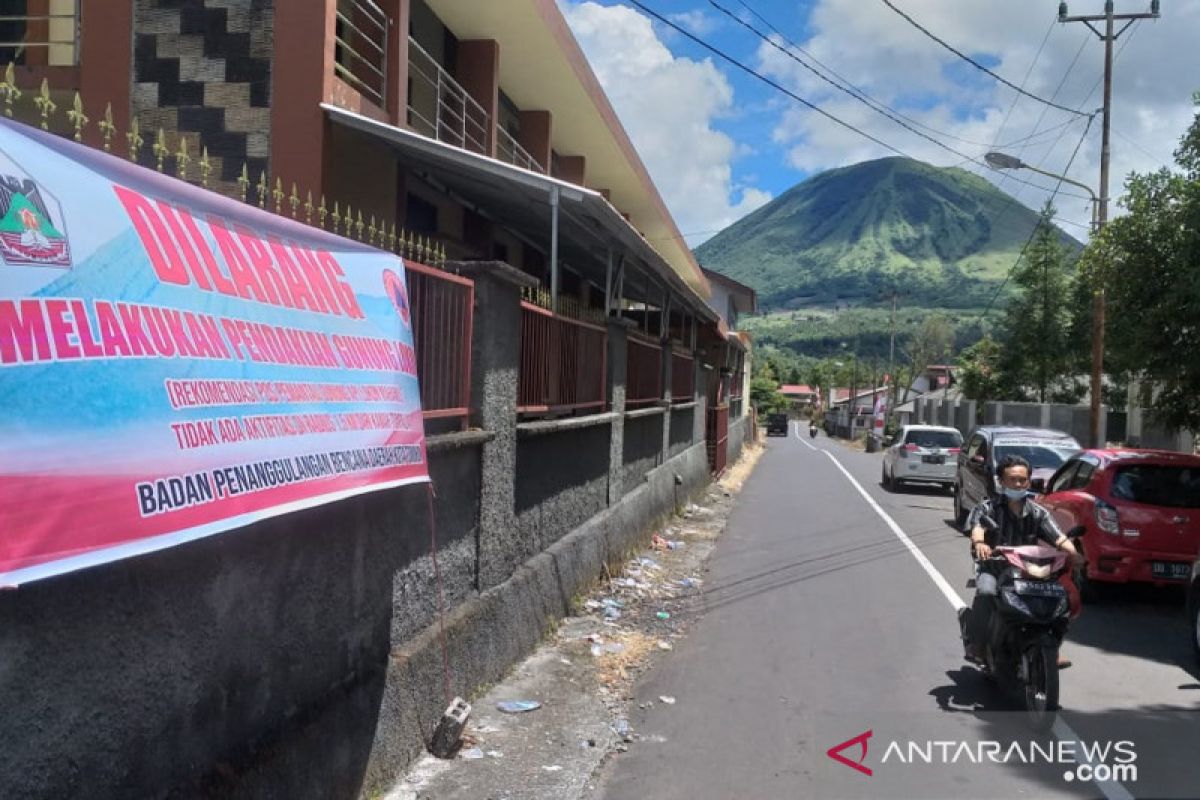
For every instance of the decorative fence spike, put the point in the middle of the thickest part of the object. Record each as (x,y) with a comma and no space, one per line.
(10,90)
(264,189)
(321,213)
(77,117)
(348,220)
(107,127)
(243,182)
(359,225)
(182,159)
(337,218)
(160,148)
(308,209)
(294,201)
(134,137)
(45,104)
(371,229)
(205,168)
(278,195)
(392,238)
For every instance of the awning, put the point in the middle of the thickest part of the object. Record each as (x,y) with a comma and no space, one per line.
(588,224)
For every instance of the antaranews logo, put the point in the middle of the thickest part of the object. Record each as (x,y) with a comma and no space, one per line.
(1082,760)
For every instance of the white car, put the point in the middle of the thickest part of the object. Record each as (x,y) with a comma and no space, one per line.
(922,453)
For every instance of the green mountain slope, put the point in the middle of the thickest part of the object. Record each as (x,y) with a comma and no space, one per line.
(943,236)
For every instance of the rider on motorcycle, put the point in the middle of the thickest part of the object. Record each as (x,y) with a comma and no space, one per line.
(1009,519)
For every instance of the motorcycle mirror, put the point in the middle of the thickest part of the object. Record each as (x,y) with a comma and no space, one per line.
(1038,485)
(1077,532)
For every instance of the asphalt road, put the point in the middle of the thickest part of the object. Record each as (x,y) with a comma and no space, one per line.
(825,621)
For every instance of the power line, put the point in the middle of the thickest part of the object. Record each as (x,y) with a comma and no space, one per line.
(841,88)
(850,85)
(726,57)
(1012,106)
(1034,232)
(975,63)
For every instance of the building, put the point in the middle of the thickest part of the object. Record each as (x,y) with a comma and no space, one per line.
(576,383)
(800,396)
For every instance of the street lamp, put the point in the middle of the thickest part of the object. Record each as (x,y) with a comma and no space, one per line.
(997,160)
(1005,161)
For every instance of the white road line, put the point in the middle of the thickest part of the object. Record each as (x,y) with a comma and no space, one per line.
(801,438)
(1110,789)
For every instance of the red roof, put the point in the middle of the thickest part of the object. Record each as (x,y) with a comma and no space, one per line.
(794,388)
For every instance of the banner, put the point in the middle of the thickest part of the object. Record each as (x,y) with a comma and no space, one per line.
(174,363)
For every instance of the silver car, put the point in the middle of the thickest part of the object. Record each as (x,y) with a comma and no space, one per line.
(922,453)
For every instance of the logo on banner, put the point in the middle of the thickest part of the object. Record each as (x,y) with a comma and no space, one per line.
(397,294)
(31,225)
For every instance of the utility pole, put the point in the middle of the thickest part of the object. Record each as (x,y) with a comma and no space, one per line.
(1109,36)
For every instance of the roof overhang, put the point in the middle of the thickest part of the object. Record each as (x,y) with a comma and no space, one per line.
(589,225)
(543,67)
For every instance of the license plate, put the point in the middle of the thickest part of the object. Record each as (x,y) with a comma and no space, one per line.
(1170,571)
(1042,588)
(933,459)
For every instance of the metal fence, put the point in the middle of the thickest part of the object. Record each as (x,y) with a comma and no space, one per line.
(44,34)
(683,377)
(563,363)
(510,150)
(360,48)
(440,108)
(643,372)
(442,308)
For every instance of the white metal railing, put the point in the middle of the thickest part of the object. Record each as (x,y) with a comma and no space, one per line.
(510,150)
(360,48)
(440,108)
(50,39)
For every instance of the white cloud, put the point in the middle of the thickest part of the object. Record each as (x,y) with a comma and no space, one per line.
(1157,70)
(696,21)
(667,105)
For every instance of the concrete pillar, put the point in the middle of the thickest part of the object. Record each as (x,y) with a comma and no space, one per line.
(700,395)
(495,364)
(478,70)
(396,89)
(571,169)
(667,365)
(536,128)
(618,362)
(1044,415)
(993,413)
(301,72)
(104,75)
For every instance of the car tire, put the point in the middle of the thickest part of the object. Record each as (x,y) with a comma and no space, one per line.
(886,479)
(960,513)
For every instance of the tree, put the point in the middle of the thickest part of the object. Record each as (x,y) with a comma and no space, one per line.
(932,343)
(1037,319)
(980,373)
(1147,260)
(764,390)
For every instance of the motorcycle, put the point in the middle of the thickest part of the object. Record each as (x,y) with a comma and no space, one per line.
(812,431)
(1030,615)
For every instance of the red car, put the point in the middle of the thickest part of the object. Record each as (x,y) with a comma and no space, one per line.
(1141,509)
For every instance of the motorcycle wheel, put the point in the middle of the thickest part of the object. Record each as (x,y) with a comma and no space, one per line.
(1041,686)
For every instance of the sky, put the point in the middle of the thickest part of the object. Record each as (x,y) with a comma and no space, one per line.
(720,143)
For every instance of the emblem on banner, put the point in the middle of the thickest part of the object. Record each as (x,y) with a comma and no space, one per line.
(397,294)
(32,228)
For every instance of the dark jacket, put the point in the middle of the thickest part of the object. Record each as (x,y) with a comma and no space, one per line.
(1031,526)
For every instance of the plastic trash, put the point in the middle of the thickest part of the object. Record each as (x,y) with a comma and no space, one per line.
(518,706)
(663,615)
(612,613)
(612,602)
(552,768)
(621,727)
(614,647)
(472,754)
(663,645)
(597,651)
(666,698)
(495,754)
(689,583)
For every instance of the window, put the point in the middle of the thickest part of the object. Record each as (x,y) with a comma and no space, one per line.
(1083,476)
(1062,479)
(931,439)
(977,448)
(422,216)
(1038,457)
(1158,485)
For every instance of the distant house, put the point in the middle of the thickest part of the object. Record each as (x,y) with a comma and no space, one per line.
(799,395)
(934,377)
(864,402)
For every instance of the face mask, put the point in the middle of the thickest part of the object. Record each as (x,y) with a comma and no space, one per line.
(1015,494)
